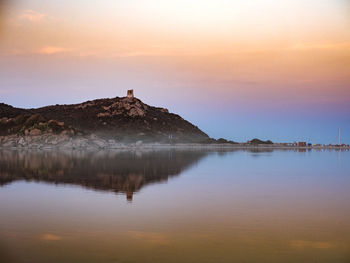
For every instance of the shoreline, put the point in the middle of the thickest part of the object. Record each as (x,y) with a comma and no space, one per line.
(67,143)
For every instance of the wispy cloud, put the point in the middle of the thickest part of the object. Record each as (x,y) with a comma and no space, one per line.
(32,16)
(310,244)
(50,237)
(321,46)
(149,237)
(50,50)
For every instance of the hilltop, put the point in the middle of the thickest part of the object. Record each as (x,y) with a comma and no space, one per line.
(123,119)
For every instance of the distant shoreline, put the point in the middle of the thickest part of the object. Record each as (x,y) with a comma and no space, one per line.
(243,146)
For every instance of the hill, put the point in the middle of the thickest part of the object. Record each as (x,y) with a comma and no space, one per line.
(125,119)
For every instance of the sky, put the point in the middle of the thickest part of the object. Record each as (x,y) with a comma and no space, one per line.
(240,69)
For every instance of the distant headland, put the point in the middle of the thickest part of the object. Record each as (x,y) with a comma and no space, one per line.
(106,123)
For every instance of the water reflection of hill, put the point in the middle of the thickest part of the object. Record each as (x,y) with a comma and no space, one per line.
(125,171)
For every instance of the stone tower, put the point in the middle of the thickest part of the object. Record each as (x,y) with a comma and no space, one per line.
(130,93)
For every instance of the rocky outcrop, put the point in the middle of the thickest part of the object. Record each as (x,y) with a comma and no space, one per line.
(36,140)
(127,106)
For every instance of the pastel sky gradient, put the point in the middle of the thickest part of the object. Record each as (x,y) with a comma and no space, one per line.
(240,69)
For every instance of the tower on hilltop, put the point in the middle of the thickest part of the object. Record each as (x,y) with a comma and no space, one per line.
(130,93)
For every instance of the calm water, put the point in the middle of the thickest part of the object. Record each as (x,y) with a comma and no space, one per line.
(175,206)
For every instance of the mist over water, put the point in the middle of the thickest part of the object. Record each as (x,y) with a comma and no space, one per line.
(174,206)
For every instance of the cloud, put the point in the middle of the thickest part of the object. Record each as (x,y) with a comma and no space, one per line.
(149,237)
(321,46)
(50,50)
(32,16)
(310,244)
(50,237)
(3,12)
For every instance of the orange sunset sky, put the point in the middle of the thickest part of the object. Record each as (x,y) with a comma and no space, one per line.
(238,69)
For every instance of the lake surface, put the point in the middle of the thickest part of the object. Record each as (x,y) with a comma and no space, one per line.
(175,206)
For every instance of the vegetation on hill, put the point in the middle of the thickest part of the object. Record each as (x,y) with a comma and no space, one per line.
(258,141)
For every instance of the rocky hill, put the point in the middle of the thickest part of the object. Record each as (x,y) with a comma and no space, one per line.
(125,119)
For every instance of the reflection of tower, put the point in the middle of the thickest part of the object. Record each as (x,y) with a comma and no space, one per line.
(121,172)
(129,196)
